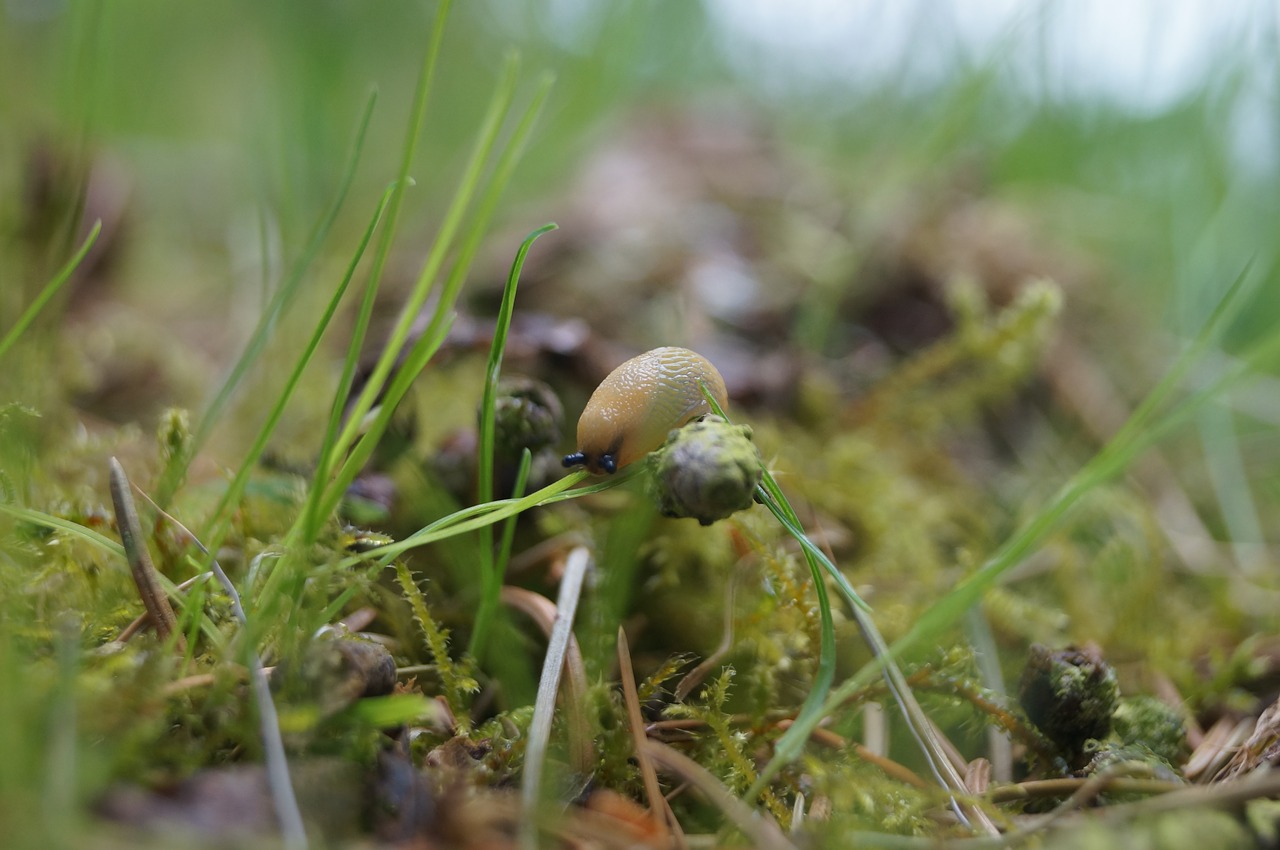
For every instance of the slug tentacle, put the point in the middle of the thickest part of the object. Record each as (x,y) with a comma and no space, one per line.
(639,403)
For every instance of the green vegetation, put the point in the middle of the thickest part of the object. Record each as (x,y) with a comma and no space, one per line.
(281,282)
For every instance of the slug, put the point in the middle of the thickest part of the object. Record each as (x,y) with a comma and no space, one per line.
(639,403)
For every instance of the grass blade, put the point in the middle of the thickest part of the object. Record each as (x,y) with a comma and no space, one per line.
(815,706)
(330,447)
(429,342)
(426,345)
(218,524)
(490,577)
(50,289)
(57,523)
(280,302)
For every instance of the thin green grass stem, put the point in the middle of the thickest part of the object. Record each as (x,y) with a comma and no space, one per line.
(476,516)
(331,447)
(814,708)
(50,289)
(437,328)
(220,522)
(267,323)
(509,528)
(468,186)
(488,203)
(311,520)
(421,95)
(810,714)
(490,577)
(460,522)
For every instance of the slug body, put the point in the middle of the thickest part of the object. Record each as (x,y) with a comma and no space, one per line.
(639,403)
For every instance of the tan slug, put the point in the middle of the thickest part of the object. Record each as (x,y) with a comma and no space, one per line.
(639,403)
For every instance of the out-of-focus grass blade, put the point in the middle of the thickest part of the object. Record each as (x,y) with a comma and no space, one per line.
(57,523)
(219,521)
(427,344)
(50,289)
(267,323)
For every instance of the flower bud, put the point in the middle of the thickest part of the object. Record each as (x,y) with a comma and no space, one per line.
(706,470)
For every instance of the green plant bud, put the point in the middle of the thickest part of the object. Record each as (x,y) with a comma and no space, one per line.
(706,470)
(527,414)
(174,434)
(1147,721)
(1070,696)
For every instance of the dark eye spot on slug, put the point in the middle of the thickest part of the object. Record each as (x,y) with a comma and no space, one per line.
(608,461)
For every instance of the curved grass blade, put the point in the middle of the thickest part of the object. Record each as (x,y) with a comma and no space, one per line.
(477,516)
(815,706)
(50,289)
(490,576)
(57,523)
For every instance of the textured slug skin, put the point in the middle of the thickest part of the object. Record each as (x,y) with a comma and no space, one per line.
(633,409)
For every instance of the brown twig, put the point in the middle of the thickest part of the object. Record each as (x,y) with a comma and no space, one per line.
(830,739)
(760,829)
(159,611)
(657,804)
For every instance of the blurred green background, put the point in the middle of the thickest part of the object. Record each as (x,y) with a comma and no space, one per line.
(1147,133)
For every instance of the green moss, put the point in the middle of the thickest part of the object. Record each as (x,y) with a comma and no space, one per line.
(1190,829)
(1070,696)
(1150,722)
